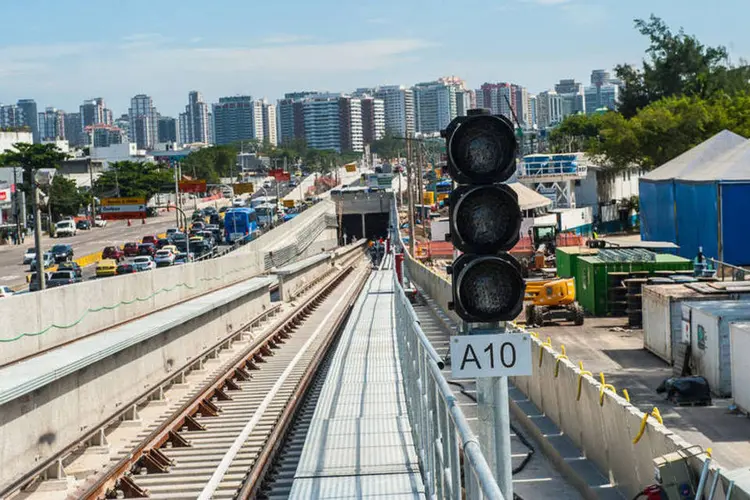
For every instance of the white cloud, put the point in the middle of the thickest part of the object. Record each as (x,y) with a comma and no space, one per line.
(168,69)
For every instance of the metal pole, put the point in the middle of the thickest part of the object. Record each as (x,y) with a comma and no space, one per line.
(37,233)
(410,196)
(16,207)
(420,197)
(176,195)
(93,198)
(494,422)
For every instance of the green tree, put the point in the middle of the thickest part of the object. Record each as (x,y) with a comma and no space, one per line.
(677,64)
(389,147)
(134,179)
(32,157)
(211,163)
(64,197)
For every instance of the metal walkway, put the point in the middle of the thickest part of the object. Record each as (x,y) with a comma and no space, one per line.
(359,444)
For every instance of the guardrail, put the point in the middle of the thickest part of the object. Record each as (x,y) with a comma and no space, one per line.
(439,427)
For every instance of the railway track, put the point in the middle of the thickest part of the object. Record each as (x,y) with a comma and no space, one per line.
(223,438)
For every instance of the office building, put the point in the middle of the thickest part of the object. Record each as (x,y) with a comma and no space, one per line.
(73,129)
(29,117)
(373,119)
(398,102)
(465,100)
(435,105)
(194,123)
(103,136)
(123,123)
(522,107)
(11,116)
(533,110)
(549,109)
(290,116)
(568,86)
(269,123)
(499,98)
(143,122)
(167,130)
(51,124)
(333,122)
(234,119)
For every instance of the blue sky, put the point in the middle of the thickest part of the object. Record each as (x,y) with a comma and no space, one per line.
(61,52)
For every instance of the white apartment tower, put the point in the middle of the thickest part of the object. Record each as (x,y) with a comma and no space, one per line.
(435,106)
(143,126)
(194,122)
(269,123)
(398,103)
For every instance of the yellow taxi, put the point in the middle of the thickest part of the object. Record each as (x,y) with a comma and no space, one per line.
(106,267)
(171,248)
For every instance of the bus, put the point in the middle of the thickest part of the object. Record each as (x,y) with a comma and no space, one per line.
(240,224)
(267,214)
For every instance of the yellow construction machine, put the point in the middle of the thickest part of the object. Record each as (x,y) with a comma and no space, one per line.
(552,300)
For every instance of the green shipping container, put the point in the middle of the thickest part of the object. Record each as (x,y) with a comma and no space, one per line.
(567,259)
(592,277)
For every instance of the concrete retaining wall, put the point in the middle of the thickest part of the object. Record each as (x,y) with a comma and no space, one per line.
(43,422)
(294,278)
(604,432)
(84,308)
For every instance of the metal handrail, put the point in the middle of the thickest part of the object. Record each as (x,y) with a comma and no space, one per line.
(439,427)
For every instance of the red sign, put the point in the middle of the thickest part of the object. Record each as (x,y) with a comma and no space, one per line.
(283,177)
(3,195)
(275,172)
(192,186)
(123,215)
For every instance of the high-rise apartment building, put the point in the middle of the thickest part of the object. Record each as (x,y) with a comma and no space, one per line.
(533,109)
(499,98)
(167,130)
(95,112)
(435,105)
(73,129)
(234,119)
(522,107)
(549,109)
(373,119)
(603,93)
(194,123)
(29,117)
(143,122)
(103,136)
(11,116)
(465,100)
(269,123)
(290,116)
(51,124)
(123,123)
(398,102)
(333,121)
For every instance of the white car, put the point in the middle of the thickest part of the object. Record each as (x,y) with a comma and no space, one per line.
(99,222)
(164,258)
(5,291)
(143,263)
(65,228)
(238,202)
(29,255)
(49,261)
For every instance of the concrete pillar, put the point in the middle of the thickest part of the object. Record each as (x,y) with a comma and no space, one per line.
(364,227)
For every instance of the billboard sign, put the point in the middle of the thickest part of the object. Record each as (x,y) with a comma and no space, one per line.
(122,208)
(244,187)
(192,186)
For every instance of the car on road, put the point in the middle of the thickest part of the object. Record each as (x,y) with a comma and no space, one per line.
(197,226)
(71,266)
(143,263)
(292,183)
(126,268)
(162,242)
(29,255)
(99,222)
(208,237)
(34,282)
(171,231)
(182,258)
(48,261)
(208,211)
(106,267)
(171,248)
(83,225)
(215,231)
(238,202)
(164,258)
(62,278)
(147,249)
(65,228)
(6,291)
(150,238)
(178,236)
(130,249)
(62,253)
(114,253)
(201,249)
(267,184)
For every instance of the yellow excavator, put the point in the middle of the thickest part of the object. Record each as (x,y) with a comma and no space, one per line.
(552,300)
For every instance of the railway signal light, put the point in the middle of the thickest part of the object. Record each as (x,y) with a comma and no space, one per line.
(485,218)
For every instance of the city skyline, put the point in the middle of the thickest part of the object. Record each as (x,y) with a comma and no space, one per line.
(325,48)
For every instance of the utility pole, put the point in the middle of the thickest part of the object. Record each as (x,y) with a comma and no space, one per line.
(420,197)
(409,188)
(176,195)
(93,198)
(16,207)
(37,232)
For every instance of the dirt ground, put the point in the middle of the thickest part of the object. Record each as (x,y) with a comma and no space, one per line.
(619,353)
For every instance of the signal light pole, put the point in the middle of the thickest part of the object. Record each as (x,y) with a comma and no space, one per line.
(487,282)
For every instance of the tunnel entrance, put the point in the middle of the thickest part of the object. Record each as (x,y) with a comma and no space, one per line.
(375,226)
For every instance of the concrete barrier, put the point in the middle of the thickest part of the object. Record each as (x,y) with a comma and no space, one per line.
(43,320)
(600,423)
(44,421)
(294,278)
